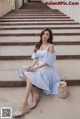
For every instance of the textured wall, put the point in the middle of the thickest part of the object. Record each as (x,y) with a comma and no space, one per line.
(5,7)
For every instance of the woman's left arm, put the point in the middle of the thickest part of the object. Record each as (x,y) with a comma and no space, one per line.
(51,50)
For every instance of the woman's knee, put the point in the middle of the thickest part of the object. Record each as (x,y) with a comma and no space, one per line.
(25,77)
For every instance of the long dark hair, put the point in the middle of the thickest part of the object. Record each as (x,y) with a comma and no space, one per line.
(50,40)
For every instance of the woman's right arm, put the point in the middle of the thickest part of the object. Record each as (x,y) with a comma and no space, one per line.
(32,64)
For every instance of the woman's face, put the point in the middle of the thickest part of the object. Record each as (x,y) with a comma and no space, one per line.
(45,36)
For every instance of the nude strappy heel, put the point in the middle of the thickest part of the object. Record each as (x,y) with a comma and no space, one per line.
(21,113)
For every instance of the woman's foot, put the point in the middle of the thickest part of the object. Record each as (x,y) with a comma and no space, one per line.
(24,108)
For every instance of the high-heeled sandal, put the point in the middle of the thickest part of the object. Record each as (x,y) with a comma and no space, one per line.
(34,104)
(21,113)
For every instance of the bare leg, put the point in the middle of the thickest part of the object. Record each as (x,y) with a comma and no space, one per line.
(24,104)
(26,94)
(34,93)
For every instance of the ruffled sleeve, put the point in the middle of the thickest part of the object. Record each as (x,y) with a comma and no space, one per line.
(33,55)
(49,58)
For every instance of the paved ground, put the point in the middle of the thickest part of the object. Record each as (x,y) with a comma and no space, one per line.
(49,107)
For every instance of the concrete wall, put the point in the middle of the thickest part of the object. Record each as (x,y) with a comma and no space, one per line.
(5,7)
(71,10)
(25,1)
(34,0)
(18,4)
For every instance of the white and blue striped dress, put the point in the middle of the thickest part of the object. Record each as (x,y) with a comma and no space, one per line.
(47,77)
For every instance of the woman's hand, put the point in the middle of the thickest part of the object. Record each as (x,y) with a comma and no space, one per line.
(28,68)
(32,68)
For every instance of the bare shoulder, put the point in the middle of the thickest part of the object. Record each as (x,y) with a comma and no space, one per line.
(51,48)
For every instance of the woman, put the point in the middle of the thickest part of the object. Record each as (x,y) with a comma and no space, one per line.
(40,73)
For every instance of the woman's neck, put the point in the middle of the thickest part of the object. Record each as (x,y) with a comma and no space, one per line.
(45,43)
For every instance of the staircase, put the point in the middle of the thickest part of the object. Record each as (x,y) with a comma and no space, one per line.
(20,30)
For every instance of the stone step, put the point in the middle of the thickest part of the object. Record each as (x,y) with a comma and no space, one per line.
(36,22)
(31,9)
(30,40)
(25,14)
(36,17)
(38,27)
(20,14)
(30,20)
(39,31)
(33,43)
(67,69)
(34,14)
(35,28)
(45,7)
(35,5)
(37,38)
(24,52)
(9,43)
(27,11)
(36,10)
(13,20)
(37,34)
(40,23)
(28,15)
